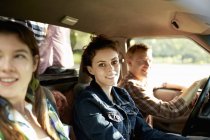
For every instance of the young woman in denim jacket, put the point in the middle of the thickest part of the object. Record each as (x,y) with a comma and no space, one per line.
(26,110)
(103,111)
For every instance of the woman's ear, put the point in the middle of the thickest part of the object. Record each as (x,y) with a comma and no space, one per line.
(36,62)
(90,70)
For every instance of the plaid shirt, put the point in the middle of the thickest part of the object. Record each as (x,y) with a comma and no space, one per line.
(52,112)
(26,128)
(149,104)
(39,29)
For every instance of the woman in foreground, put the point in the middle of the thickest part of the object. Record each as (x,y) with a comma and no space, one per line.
(26,112)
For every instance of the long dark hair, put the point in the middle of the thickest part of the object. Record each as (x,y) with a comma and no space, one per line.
(9,129)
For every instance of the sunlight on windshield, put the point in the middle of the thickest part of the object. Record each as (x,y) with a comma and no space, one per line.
(176,60)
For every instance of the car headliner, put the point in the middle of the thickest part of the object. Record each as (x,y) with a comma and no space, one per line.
(117,18)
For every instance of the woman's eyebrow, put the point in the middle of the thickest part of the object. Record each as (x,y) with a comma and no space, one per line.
(115,58)
(22,51)
(19,51)
(100,61)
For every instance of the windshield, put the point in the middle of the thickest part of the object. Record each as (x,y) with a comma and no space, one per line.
(177,60)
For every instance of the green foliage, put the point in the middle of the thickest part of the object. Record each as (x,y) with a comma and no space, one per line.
(176,50)
(78,41)
(165,50)
(77,58)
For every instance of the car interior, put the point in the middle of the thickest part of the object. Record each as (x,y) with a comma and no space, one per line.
(122,21)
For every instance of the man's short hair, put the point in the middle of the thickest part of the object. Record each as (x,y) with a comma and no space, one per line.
(135,48)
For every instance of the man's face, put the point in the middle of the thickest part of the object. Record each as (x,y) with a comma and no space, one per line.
(140,63)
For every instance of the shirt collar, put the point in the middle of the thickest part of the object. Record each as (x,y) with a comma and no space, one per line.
(131,76)
(134,79)
(94,87)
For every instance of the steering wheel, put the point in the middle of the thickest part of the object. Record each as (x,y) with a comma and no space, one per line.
(195,114)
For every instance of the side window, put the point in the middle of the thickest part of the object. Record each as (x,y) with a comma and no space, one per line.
(176,60)
(59,47)
(78,42)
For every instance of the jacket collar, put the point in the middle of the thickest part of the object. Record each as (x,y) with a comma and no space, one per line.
(96,89)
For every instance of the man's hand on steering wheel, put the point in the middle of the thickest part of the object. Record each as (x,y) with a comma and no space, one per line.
(195,119)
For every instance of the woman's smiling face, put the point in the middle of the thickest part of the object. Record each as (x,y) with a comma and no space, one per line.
(16,66)
(105,67)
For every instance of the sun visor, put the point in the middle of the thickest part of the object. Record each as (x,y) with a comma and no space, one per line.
(191,23)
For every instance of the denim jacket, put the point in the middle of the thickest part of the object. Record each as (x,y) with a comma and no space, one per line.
(97,118)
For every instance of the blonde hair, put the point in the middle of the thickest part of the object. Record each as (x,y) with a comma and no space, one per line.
(131,51)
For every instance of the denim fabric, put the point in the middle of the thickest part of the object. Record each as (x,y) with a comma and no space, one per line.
(97,118)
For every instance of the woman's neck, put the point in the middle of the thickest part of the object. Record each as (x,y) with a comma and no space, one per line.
(107,91)
(20,106)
